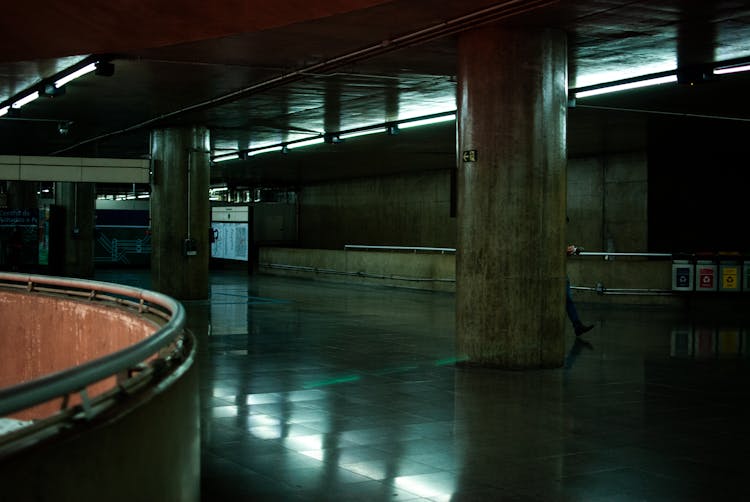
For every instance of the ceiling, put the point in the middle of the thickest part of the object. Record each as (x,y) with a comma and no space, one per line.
(261,73)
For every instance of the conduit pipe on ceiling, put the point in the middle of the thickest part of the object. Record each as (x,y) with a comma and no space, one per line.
(495,13)
(660,112)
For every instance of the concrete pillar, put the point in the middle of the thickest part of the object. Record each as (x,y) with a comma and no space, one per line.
(180,212)
(78,201)
(510,264)
(22,194)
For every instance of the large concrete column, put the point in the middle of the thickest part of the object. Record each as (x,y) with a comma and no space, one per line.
(78,201)
(510,265)
(22,194)
(180,212)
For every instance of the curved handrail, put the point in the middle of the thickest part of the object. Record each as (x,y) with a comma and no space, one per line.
(62,383)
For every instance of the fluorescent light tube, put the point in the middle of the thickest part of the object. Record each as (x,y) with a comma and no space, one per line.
(26,99)
(630,85)
(309,142)
(377,130)
(224,158)
(276,148)
(434,120)
(4,110)
(731,69)
(67,78)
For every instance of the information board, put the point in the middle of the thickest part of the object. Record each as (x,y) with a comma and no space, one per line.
(230,241)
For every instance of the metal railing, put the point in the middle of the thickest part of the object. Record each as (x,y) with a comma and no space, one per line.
(413,249)
(601,290)
(75,380)
(605,254)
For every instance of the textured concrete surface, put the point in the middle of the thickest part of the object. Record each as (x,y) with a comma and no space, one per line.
(42,335)
(510,268)
(180,210)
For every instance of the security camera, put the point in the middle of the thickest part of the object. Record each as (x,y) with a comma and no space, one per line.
(63,128)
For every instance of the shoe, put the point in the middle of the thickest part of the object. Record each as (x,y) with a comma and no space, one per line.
(582,328)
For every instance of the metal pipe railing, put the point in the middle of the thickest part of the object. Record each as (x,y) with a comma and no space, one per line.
(453,250)
(63,383)
(644,255)
(414,249)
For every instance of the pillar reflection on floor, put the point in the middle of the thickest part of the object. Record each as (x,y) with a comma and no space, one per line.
(323,391)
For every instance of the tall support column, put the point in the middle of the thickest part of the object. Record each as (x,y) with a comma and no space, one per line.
(180,212)
(78,201)
(22,194)
(510,265)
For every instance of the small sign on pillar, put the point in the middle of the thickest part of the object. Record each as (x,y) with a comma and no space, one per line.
(469,156)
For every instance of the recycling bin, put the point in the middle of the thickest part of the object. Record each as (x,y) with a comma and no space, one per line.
(730,273)
(683,272)
(705,275)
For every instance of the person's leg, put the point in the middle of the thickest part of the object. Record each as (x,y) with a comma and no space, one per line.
(570,307)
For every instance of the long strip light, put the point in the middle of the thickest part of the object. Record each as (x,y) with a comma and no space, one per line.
(354,134)
(25,100)
(309,142)
(72,76)
(731,69)
(433,120)
(224,158)
(50,85)
(628,85)
(275,148)
(363,131)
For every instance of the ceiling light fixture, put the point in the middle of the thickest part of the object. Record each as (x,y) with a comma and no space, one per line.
(72,76)
(4,110)
(331,138)
(275,148)
(731,69)
(365,132)
(224,158)
(634,84)
(391,128)
(433,120)
(105,69)
(25,100)
(304,143)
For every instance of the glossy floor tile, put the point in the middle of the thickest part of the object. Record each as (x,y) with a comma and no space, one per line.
(318,391)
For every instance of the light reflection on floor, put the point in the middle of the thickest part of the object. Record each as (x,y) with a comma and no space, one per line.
(316,391)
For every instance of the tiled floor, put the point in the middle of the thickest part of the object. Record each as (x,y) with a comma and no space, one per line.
(317,391)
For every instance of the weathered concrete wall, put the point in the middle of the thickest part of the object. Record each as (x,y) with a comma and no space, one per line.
(436,272)
(146,445)
(608,202)
(148,448)
(429,271)
(43,334)
(405,210)
(623,273)
(607,206)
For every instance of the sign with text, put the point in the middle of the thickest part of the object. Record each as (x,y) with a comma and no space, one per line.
(230,241)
